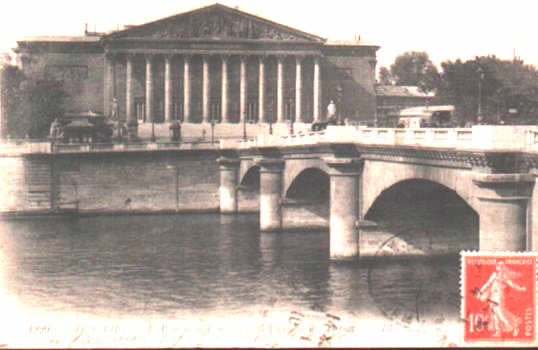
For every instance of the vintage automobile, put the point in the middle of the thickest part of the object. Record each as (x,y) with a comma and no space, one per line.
(85,128)
(427,116)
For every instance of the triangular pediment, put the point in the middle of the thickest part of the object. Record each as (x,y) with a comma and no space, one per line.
(216,22)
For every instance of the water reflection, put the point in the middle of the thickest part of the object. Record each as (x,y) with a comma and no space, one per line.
(172,266)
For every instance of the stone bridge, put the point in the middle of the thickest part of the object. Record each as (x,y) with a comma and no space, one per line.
(491,168)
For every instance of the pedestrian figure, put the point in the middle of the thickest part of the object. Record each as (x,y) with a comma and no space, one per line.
(331,113)
(54,129)
(114,109)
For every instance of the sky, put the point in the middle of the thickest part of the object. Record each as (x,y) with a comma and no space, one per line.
(446,30)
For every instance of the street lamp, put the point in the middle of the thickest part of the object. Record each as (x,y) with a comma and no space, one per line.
(339,94)
(212,127)
(480,72)
(152,129)
(244,128)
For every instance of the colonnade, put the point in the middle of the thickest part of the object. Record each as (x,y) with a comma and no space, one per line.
(206,91)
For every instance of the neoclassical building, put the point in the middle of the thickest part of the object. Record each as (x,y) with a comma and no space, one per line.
(213,64)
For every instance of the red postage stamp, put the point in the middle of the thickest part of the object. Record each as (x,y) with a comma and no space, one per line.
(499,297)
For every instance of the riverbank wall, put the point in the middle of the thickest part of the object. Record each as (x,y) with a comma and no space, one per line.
(110,182)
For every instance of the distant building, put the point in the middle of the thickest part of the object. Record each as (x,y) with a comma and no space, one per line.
(211,64)
(391,99)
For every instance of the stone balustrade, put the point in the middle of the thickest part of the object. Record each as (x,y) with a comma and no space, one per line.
(15,149)
(480,137)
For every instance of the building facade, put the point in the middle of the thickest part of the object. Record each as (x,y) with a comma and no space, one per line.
(214,64)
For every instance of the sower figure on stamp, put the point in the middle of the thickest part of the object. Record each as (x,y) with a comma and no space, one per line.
(494,292)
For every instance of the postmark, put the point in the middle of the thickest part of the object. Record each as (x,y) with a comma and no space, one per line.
(498,297)
(425,297)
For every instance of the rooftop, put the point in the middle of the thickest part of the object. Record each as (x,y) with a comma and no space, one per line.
(401,91)
(66,39)
(334,42)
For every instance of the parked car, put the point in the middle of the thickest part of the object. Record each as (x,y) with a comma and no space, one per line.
(85,127)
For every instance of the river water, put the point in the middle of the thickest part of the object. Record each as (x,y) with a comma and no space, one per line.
(208,266)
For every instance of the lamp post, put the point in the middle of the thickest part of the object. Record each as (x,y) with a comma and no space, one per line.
(480,72)
(244,128)
(339,94)
(212,127)
(152,130)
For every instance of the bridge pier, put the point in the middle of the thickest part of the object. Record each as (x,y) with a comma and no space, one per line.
(503,200)
(228,185)
(270,194)
(344,207)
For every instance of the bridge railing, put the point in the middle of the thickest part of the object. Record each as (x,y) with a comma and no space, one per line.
(417,137)
(19,147)
(531,140)
(479,137)
(23,146)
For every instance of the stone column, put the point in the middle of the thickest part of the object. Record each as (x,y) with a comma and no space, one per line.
(110,81)
(224,91)
(344,207)
(298,90)
(229,169)
(317,91)
(280,90)
(187,89)
(149,88)
(206,98)
(132,123)
(270,193)
(261,90)
(168,113)
(243,89)
(502,210)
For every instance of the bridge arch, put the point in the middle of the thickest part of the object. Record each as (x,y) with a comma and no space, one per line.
(251,178)
(378,177)
(311,184)
(295,167)
(426,216)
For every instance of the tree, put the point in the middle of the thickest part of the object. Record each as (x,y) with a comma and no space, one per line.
(29,107)
(506,87)
(46,99)
(14,107)
(385,78)
(415,68)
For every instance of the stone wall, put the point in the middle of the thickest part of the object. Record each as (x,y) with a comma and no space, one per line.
(305,216)
(357,79)
(111,183)
(80,73)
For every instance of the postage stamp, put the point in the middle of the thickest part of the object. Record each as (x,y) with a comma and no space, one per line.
(498,297)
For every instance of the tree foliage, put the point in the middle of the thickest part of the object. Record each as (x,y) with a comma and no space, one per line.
(385,78)
(505,88)
(29,106)
(415,68)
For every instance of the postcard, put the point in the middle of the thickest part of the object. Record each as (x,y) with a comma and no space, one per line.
(268,174)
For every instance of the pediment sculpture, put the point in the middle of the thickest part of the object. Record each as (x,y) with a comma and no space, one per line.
(220,25)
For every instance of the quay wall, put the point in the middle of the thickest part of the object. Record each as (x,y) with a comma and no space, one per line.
(110,182)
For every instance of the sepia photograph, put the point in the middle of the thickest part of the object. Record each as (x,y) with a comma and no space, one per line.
(180,174)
